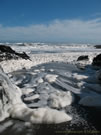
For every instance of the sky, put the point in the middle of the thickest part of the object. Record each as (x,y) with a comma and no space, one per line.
(71,21)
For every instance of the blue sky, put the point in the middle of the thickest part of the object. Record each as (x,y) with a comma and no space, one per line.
(69,21)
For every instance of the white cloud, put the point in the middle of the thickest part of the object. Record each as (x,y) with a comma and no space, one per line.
(57,30)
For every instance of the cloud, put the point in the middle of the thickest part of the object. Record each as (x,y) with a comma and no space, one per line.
(57,30)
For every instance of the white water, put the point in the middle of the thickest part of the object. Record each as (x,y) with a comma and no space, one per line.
(48,83)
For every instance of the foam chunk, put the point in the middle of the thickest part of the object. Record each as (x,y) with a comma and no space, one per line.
(51,78)
(60,99)
(40,115)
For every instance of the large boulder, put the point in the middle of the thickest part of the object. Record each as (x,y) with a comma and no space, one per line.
(97,46)
(97,60)
(83,57)
(7,53)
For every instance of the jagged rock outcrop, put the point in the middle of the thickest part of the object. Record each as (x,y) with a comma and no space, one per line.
(7,53)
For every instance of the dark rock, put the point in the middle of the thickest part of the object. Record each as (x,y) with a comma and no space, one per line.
(85,57)
(7,53)
(23,55)
(4,48)
(98,46)
(97,60)
(98,76)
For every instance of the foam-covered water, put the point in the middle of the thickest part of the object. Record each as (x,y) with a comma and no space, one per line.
(55,88)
